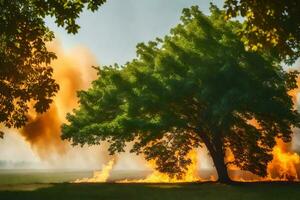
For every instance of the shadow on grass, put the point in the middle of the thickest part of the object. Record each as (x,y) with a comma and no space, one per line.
(185,191)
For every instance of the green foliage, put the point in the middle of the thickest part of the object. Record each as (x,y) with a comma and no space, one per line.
(25,71)
(196,86)
(269,25)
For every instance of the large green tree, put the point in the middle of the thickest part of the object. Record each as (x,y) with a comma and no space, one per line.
(25,71)
(197,86)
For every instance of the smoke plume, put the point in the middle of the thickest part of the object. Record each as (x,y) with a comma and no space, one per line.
(73,72)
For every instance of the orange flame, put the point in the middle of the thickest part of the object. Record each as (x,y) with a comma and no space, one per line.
(284,167)
(190,175)
(284,164)
(99,176)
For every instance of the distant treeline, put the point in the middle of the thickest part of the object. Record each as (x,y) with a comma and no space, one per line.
(8,164)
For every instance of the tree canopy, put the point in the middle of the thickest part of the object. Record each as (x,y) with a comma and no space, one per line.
(197,86)
(269,25)
(25,71)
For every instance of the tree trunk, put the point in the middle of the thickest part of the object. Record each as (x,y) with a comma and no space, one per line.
(217,153)
(218,159)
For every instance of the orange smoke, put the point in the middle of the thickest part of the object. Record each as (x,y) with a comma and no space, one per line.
(43,133)
(73,72)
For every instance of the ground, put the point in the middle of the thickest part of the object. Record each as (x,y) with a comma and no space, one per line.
(114,191)
(53,184)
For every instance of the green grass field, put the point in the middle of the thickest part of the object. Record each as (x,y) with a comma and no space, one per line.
(113,191)
(45,184)
(12,177)
(17,177)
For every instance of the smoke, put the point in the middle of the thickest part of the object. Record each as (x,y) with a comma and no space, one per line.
(73,72)
(43,133)
(13,147)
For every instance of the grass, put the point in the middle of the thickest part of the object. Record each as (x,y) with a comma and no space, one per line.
(46,185)
(113,191)
(12,177)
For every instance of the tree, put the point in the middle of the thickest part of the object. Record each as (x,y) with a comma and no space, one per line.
(197,86)
(269,24)
(25,71)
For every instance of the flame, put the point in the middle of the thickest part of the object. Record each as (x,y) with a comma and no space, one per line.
(284,167)
(99,176)
(284,164)
(190,175)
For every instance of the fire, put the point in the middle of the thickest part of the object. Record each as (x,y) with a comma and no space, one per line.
(284,164)
(99,176)
(191,174)
(284,167)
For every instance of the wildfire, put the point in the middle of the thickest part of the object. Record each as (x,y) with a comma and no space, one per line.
(284,167)
(99,176)
(284,164)
(191,174)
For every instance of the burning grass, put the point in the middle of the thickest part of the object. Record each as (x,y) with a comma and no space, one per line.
(285,166)
(191,174)
(99,176)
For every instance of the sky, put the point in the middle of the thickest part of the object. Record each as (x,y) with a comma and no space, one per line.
(112,32)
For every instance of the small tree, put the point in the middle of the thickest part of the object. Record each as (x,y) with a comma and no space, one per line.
(269,25)
(197,86)
(25,71)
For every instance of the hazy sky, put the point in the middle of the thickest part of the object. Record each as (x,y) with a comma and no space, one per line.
(113,31)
